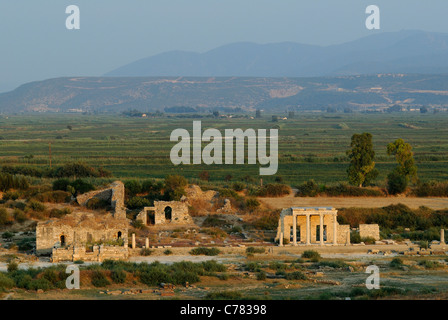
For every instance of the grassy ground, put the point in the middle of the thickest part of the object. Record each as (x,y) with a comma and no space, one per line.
(311,146)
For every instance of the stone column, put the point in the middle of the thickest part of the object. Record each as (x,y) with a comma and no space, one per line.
(442,236)
(280,241)
(335,230)
(308,229)
(348,238)
(321,229)
(294,228)
(133,241)
(282,229)
(147,243)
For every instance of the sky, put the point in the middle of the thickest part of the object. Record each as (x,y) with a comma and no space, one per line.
(35,44)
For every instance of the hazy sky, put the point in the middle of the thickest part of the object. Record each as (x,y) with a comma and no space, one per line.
(36,45)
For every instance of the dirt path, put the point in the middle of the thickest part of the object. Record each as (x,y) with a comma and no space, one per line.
(347,202)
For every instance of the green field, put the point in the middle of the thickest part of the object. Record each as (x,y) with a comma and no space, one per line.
(312,146)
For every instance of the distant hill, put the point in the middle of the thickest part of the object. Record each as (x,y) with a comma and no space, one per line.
(396,52)
(187,94)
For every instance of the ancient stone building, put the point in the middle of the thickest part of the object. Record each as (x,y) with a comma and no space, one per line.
(87,236)
(165,213)
(317,225)
(308,226)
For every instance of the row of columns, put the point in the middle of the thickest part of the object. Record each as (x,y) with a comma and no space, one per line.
(308,229)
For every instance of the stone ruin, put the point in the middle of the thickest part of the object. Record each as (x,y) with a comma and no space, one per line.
(87,236)
(165,213)
(317,225)
(114,194)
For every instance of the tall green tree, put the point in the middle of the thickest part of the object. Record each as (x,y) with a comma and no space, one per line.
(405,158)
(362,165)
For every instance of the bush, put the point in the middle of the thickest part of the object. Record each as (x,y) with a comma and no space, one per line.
(118,276)
(59,213)
(97,204)
(238,186)
(261,275)
(98,279)
(308,189)
(396,183)
(54,196)
(19,215)
(12,266)
(296,275)
(255,250)
(167,252)
(311,254)
(252,204)
(145,252)
(274,190)
(138,203)
(61,184)
(37,206)
(205,251)
(396,263)
(6,282)
(4,217)
(39,284)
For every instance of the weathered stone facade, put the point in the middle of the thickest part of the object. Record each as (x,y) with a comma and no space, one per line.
(80,229)
(369,231)
(165,213)
(96,253)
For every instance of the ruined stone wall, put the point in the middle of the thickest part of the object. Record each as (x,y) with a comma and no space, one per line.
(343,229)
(369,231)
(98,254)
(114,194)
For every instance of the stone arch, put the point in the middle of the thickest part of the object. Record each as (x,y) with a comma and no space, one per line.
(168,213)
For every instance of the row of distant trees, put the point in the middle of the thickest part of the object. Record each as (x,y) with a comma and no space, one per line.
(362,171)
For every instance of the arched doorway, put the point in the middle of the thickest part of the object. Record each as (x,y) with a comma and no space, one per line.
(168,214)
(119,235)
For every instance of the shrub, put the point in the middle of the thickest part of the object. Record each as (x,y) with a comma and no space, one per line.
(118,276)
(274,190)
(261,275)
(308,189)
(98,279)
(4,217)
(238,186)
(97,204)
(7,235)
(6,282)
(61,184)
(167,252)
(255,250)
(19,215)
(311,254)
(213,266)
(138,203)
(145,252)
(37,206)
(205,251)
(296,275)
(59,213)
(396,263)
(252,204)
(12,266)
(39,284)
(54,196)
(396,183)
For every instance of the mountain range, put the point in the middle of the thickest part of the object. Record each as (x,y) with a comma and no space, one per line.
(408,68)
(395,52)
